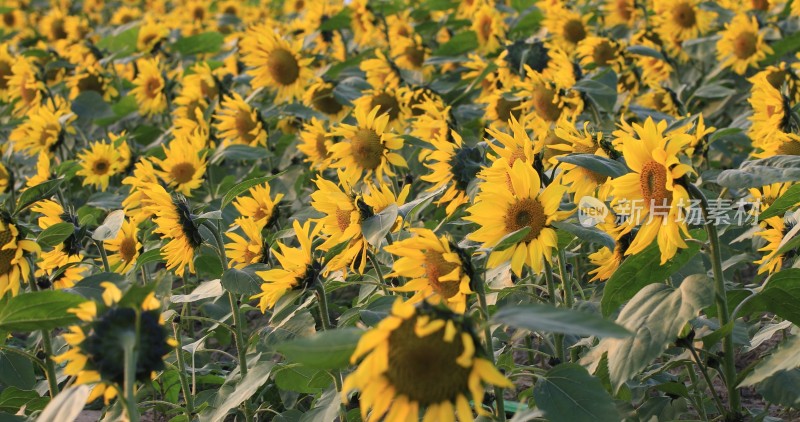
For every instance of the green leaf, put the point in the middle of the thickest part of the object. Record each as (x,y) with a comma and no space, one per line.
(43,310)
(780,295)
(786,45)
(55,234)
(67,404)
(242,187)
(340,20)
(512,239)
(789,199)
(546,318)
(206,290)
(153,255)
(656,315)
(239,152)
(597,164)
(412,208)
(91,105)
(641,269)
(784,358)
(569,393)
(257,376)
(110,227)
(757,173)
(37,193)
(324,350)
(241,282)
(527,24)
(12,399)
(602,89)
(461,43)
(121,44)
(207,42)
(714,90)
(588,234)
(782,388)
(301,379)
(641,50)
(16,371)
(376,227)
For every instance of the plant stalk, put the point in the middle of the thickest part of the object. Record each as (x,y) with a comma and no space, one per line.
(480,289)
(129,346)
(187,394)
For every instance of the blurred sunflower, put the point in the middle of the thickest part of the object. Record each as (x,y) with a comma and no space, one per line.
(62,263)
(275,63)
(421,360)
(581,181)
(149,91)
(96,351)
(506,206)
(367,147)
(5,178)
(98,163)
(125,248)
(134,204)
(487,22)
(388,101)
(320,97)
(298,267)
(661,99)
(252,250)
(43,172)
(239,123)
(315,144)
(6,64)
(260,206)
(742,45)
(45,128)
(25,88)
(454,165)
(91,77)
(774,230)
(151,34)
(184,165)
(596,52)
(14,252)
(619,12)
(566,27)
(681,20)
(175,223)
(381,73)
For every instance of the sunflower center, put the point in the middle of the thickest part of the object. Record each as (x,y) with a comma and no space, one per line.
(245,125)
(486,27)
(760,4)
(415,55)
(388,105)
(9,19)
(683,14)
(776,78)
(603,53)
(343,219)
(624,9)
(574,31)
(322,149)
(425,369)
(101,167)
(507,108)
(435,267)
(789,148)
(149,38)
(91,82)
(542,100)
(58,31)
(127,249)
(526,212)
(653,182)
(367,148)
(5,71)
(325,102)
(182,172)
(744,45)
(283,67)
(153,87)
(6,255)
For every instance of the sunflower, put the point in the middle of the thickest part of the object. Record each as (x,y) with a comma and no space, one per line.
(389,102)
(489,27)
(150,92)
(661,99)
(63,263)
(566,27)
(771,120)
(184,165)
(6,64)
(367,147)
(503,105)
(606,260)
(175,223)
(678,21)
(91,77)
(596,52)
(125,14)
(654,158)
(151,34)
(381,72)
(5,178)
(548,100)
(321,98)
(143,174)
(432,118)
(653,70)
(243,252)
(620,12)
(239,123)
(581,181)
(506,206)
(125,248)
(43,172)
(324,42)
(365,25)
(454,165)
(315,144)
(421,359)
(45,128)
(298,267)
(410,53)
(96,350)
(742,45)
(25,87)
(275,63)
(260,206)
(774,230)
(14,250)
(98,163)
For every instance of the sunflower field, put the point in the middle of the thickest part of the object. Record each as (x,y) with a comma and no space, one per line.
(399,210)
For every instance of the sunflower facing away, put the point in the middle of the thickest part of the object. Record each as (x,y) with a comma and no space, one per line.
(506,206)
(420,361)
(95,354)
(742,45)
(175,223)
(454,165)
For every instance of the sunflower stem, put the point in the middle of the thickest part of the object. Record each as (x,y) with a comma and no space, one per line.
(569,299)
(697,397)
(187,394)
(374,261)
(52,379)
(480,289)
(103,255)
(129,347)
(729,366)
(704,372)
(322,301)
(551,292)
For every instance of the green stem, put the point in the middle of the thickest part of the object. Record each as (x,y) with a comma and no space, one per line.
(322,301)
(480,289)
(697,397)
(704,372)
(129,346)
(551,292)
(187,394)
(374,261)
(103,255)
(728,360)
(569,299)
(52,379)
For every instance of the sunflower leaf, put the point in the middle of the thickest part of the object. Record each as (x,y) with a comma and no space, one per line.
(67,404)
(512,239)
(459,44)
(55,234)
(324,350)
(242,282)
(375,228)
(207,42)
(41,191)
(34,311)
(785,358)
(546,318)
(597,164)
(789,199)
(243,186)
(569,393)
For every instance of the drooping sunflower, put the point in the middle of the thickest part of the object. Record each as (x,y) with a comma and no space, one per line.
(150,92)
(184,165)
(298,267)
(367,146)
(240,123)
(98,163)
(124,249)
(14,249)
(654,158)
(505,206)
(421,360)
(245,251)
(742,45)
(454,165)
(275,63)
(315,144)
(259,205)
(96,348)
(45,128)
(175,223)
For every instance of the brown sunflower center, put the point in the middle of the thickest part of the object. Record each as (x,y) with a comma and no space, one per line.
(653,183)
(603,53)
(388,105)
(57,30)
(245,126)
(152,87)
(198,13)
(6,255)
(544,105)
(127,249)
(91,82)
(49,134)
(367,148)
(325,102)
(5,71)
(684,15)
(574,31)
(744,45)
(760,4)
(343,219)
(9,19)
(624,9)
(425,369)
(149,38)
(789,148)
(415,55)
(485,28)
(776,78)
(283,66)
(101,167)
(526,212)
(322,149)
(435,267)
(507,108)
(182,172)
